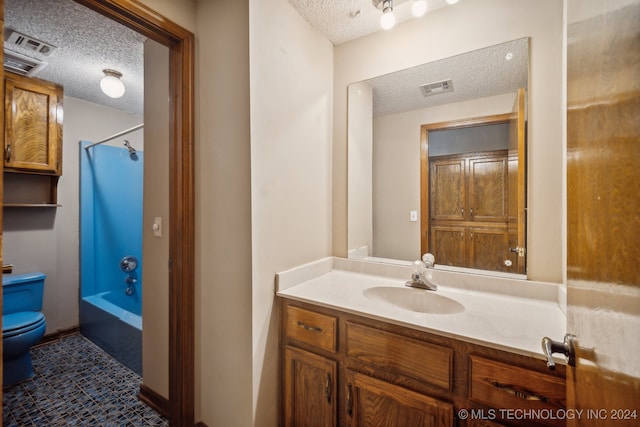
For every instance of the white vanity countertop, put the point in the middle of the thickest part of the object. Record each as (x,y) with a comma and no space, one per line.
(514,321)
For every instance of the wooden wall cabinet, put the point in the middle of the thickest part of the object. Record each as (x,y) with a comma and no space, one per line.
(32,139)
(341,369)
(469,211)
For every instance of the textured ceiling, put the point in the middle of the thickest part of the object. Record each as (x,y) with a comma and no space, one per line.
(477,74)
(343,20)
(87,43)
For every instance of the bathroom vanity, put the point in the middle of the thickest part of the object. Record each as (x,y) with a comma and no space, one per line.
(360,349)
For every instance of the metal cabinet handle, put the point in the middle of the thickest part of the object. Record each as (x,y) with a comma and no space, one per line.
(327,388)
(309,327)
(567,347)
(521,393)
(349,400)
(8,153)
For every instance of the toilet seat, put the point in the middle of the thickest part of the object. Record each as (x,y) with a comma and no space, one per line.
(19,323)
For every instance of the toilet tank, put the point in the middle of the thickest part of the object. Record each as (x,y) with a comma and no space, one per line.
(22,292)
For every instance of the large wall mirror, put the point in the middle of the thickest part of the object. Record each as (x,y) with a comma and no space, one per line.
(416,134)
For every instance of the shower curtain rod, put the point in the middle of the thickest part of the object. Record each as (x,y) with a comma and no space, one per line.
(117,135)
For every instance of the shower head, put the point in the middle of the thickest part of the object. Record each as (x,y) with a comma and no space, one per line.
(132,150)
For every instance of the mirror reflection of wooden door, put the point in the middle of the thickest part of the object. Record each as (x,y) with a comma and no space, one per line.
(516,198)
(465,190)
(603,205)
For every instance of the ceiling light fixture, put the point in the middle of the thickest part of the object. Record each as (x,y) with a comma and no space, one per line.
(111,84)
(418,8)
(452,1)
(388,19)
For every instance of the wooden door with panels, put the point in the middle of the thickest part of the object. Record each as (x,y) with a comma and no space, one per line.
(473,202)
(468,201)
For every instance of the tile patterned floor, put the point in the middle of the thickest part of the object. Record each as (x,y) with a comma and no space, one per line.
(77,384)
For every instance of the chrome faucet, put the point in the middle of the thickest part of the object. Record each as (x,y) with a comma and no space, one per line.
(420,278)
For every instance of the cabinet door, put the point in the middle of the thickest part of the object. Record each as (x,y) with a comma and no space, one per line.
(448,190)
(488,188)
(374,403)
(309,389)
(448,245)
(489,249)
(33,130)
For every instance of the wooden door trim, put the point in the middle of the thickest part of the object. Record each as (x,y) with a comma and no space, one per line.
(181,46)
(424,163)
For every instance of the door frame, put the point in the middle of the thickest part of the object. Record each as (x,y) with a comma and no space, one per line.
(181,44)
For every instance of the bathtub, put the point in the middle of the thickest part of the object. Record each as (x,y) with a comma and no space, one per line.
(113,321)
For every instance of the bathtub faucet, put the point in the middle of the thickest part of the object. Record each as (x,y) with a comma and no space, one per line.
(130,288)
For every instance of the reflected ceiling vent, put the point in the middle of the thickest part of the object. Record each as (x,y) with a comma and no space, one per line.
(443,86)
(13,37)
(21,64)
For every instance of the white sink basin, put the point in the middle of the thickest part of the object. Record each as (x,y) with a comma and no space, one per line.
(417,300)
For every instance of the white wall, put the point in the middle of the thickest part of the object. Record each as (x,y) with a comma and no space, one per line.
(155,272)
(223,215)
(291,125)
(47,239)
(263,192)
(467,26)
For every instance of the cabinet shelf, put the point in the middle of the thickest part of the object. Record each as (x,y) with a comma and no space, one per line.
(30,205)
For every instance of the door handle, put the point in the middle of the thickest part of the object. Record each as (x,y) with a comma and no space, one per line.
(518,250)
(566,347)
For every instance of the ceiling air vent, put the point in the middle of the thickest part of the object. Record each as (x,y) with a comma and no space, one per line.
(29,43)
(437,87)
(21,64)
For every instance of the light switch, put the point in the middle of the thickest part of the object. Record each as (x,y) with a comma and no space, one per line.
(157,226)
(413,216)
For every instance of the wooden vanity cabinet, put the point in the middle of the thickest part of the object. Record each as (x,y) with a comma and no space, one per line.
(310,389)
(341,369)
(310,379)
(373,402)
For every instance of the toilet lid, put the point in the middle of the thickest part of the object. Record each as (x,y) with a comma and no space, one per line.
(18,322)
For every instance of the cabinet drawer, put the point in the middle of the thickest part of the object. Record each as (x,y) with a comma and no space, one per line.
(505,386)
(312,328)
(401,355)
